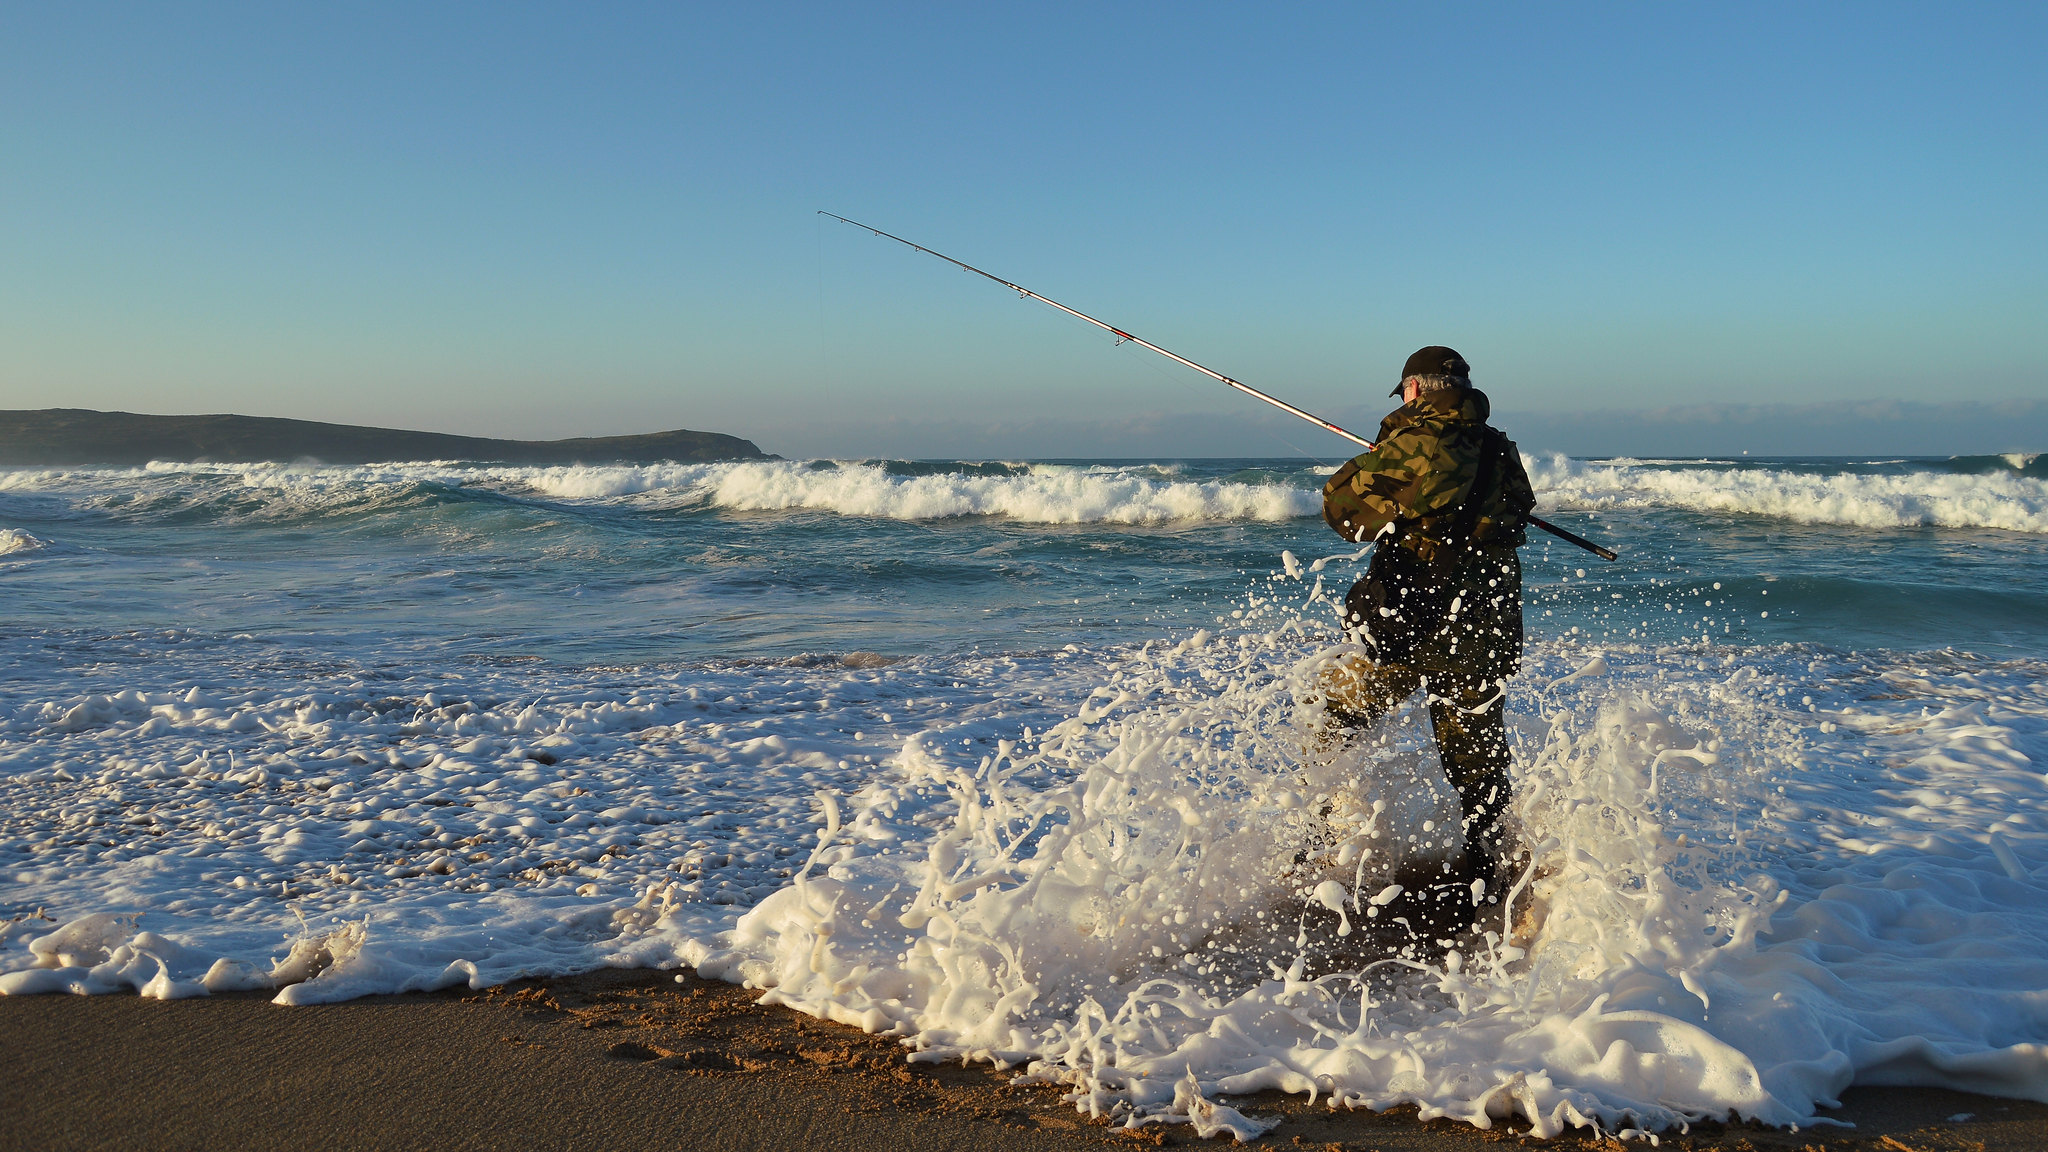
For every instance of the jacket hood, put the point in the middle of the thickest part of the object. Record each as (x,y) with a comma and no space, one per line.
(1443,406)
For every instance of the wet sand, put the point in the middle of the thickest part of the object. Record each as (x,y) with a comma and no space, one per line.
(624,1060)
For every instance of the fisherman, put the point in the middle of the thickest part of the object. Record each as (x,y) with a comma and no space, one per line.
(1440,607)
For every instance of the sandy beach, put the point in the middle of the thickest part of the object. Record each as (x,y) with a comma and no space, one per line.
(621,1060)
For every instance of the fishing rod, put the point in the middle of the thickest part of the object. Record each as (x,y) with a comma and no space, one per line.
(1125,337)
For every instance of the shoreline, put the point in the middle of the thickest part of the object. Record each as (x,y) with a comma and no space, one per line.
(634,1058)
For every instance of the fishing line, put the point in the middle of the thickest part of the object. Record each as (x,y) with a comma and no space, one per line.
(823,353)
(1184,382)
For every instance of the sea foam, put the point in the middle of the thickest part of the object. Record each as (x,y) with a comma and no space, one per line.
(1082,864)
(1044,494)
(1739,916)
(2002,499)
(1039,494)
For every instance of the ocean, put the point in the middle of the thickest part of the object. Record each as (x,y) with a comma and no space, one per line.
(1004,758)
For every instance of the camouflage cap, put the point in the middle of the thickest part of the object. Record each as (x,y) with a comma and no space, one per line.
(1435,360)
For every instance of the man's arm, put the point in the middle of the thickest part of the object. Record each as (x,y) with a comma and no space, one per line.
(1378,487)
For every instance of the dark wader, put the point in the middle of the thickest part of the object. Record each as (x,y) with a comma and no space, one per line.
(1464,668)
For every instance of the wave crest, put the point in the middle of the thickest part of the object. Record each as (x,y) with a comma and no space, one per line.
(1039,494)
(882,489)
(2003,499)
(1999,492)
(13,540)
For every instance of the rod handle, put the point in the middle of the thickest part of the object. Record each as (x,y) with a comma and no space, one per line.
(1581,541)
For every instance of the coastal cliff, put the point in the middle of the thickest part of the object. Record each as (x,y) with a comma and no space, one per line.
(59,436)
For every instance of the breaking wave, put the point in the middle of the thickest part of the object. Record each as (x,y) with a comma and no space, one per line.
(1976,496)
(2007,492)
(1040,494)
(894,490)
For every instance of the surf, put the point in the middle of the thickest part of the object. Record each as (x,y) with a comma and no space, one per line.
(1114,905)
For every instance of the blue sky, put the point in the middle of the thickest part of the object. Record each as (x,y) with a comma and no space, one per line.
(535,220)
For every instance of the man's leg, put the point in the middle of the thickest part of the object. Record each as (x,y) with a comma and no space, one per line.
(1357,692)
(1469,716)
(1352,694)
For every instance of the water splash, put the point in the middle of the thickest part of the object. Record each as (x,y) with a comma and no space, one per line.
(1125,901)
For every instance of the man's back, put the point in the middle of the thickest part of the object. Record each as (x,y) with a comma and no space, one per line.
(1421,472)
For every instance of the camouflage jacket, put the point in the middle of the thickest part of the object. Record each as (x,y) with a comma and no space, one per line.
(1422,469)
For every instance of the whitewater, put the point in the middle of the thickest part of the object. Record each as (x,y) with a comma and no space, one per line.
(1006,759)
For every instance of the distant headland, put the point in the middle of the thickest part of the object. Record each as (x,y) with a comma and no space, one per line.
(59,436)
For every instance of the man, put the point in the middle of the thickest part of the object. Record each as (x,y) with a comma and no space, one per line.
(1440,607)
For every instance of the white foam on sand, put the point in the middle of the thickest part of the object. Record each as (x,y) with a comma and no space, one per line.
(1892,500)
(355,834)
(1769,872)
